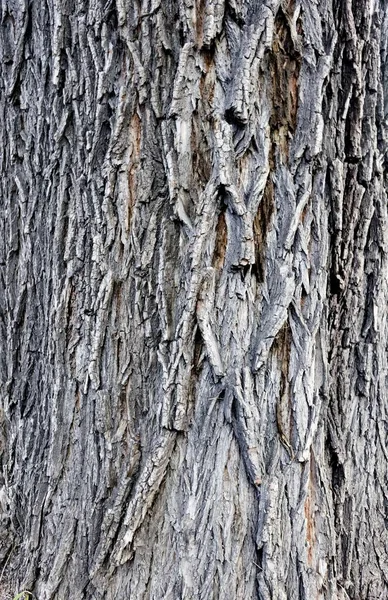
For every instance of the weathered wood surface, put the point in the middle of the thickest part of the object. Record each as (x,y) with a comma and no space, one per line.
(193,299)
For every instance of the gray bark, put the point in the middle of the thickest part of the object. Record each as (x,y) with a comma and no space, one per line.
(193,293)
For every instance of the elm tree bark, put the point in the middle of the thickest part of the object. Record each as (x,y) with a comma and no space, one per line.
(193,299)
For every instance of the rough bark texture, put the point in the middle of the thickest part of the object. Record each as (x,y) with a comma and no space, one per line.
(193,295)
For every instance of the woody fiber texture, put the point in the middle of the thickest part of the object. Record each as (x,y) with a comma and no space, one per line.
(193,299)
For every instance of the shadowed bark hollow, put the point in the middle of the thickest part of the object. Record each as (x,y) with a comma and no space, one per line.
(193,299)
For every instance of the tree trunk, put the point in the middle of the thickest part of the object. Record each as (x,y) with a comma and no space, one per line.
(193,300)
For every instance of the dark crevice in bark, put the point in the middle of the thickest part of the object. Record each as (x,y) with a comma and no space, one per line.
(233,118)
(261,225)
(282,350)
(284,65)
(221,242)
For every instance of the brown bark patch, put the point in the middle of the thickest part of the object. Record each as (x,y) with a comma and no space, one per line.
(221,242)
(135,140)
(207,80)
(207,89)
(309,506)
(282,349)
(282,346)
(261,225)
(199,19)
(285,61)
(208,59)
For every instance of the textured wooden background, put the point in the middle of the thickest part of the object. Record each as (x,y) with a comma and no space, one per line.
(193,299)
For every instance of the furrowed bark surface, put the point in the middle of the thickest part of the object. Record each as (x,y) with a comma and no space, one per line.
(193,272)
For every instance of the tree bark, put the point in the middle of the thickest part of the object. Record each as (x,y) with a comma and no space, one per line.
(193,293)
